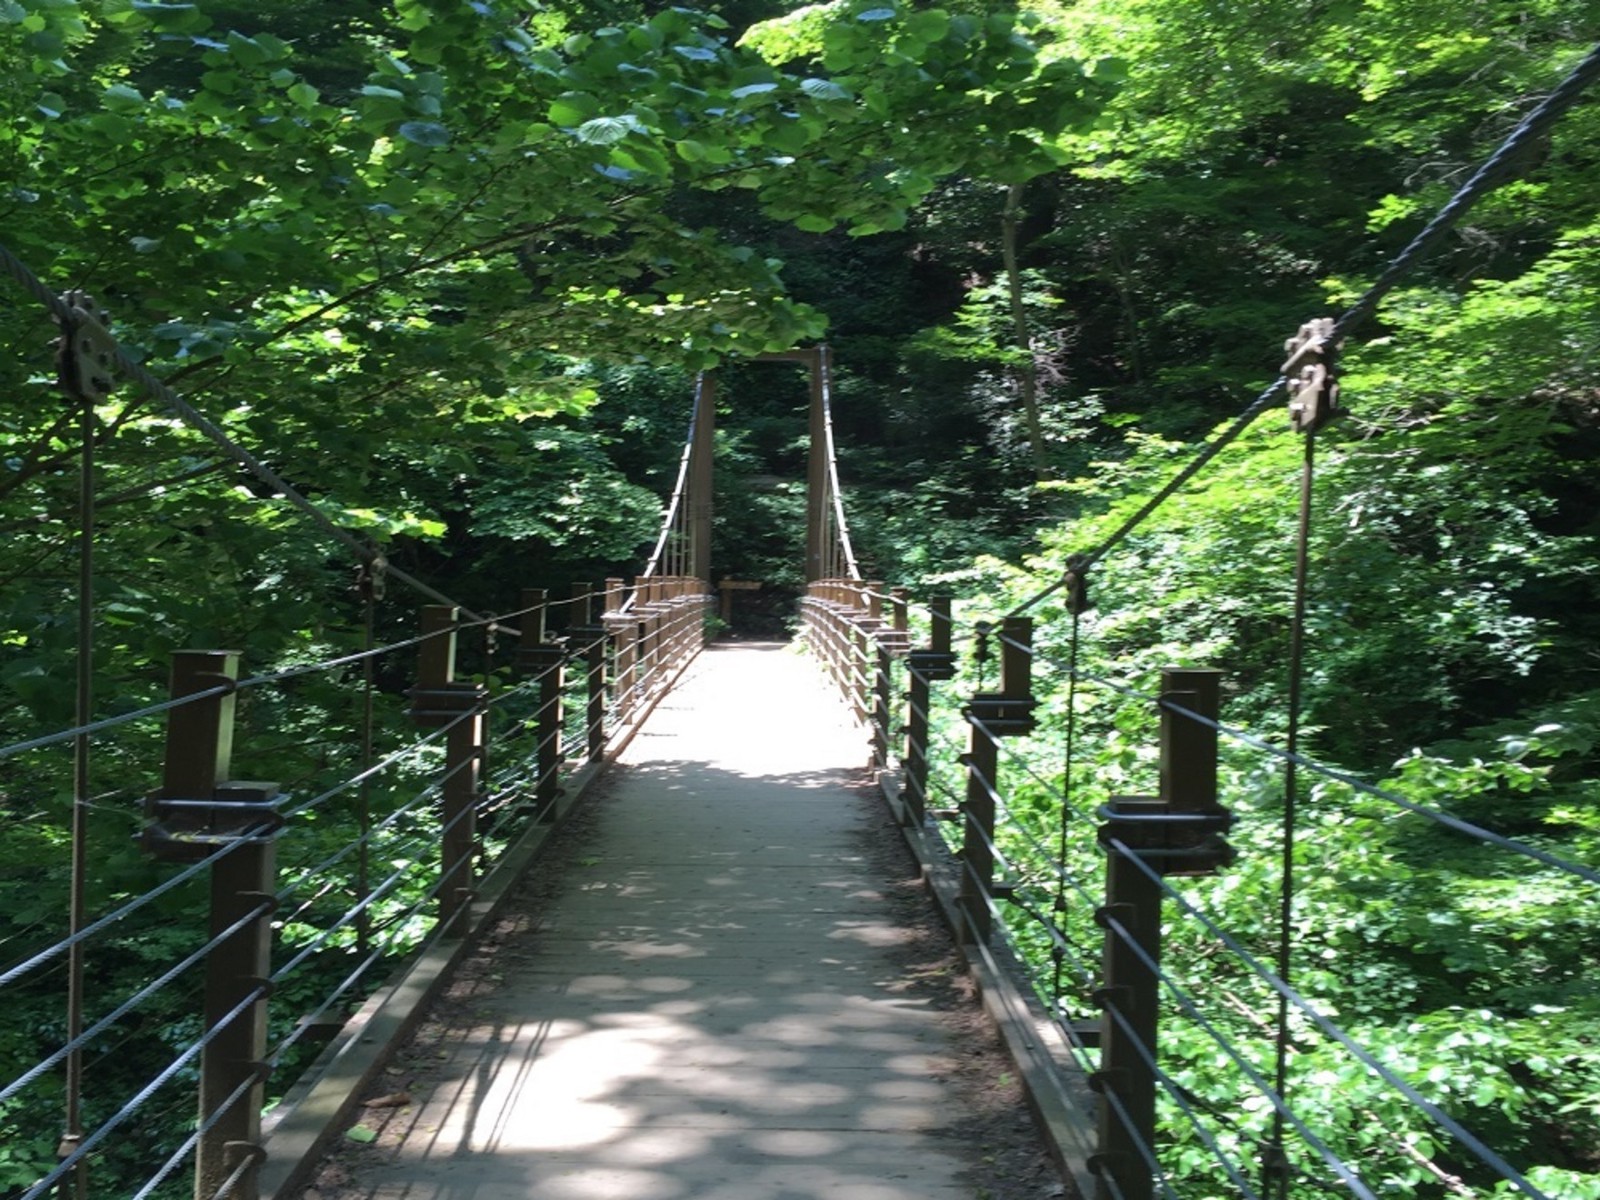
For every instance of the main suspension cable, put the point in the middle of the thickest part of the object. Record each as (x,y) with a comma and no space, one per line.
(1494,171)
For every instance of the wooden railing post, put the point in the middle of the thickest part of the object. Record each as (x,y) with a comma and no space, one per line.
(992,716)
(540,656)
(1178,832)
(196,812)
(623,629)
(438,700)
(932,664)
(588,634)
(645,623)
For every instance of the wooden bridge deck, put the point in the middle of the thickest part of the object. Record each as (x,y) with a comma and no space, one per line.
(727,998)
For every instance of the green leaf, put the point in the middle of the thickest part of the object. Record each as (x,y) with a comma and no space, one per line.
(825,89)
(876,14)
(573,108)
(361,1135)
(305,96)
(425,133)
(246,50)
(812,223)
(605,131)
(121,97)
(753,89)
(928,25)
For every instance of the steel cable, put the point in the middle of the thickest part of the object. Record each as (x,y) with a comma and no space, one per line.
(1438,816)
(81,1151)
(1446,1122)
(12,974)
(84,1037)
(1263,1086)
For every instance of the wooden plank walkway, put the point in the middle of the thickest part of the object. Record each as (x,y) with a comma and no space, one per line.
(721,1001)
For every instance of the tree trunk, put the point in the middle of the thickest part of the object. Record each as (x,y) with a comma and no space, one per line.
(1027,377)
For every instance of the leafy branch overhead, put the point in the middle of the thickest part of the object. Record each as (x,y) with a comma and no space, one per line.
(479,133)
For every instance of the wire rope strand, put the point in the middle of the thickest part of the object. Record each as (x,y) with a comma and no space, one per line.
(1494,171)
(1350,1180)
(1361,786)
(166,1075)
(13,973)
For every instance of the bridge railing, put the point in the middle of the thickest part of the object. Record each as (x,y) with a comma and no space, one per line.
(1180,1052)
(315,892)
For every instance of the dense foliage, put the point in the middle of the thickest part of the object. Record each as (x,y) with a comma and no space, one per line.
(449,266)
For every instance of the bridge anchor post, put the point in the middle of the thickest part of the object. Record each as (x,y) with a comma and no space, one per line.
(543,657)
(588,637)
(1147,838)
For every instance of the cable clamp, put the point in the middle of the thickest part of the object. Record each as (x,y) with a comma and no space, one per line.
(1101,1082)
(1312,372)
(371,578)
(85,352)
(980,642)
(1075,583)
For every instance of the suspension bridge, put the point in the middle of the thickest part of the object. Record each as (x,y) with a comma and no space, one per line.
(709,1015)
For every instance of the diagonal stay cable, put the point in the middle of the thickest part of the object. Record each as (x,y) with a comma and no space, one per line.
(1350,1180)
(128,1005)
(1494,171)
(192,416)
(168,1073)
(67,735)
(12,974)
(278,676)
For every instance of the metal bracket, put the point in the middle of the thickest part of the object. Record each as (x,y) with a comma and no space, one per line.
(1003,716)
(1312,372)
(896,641)
(1075,582)
(581,638)
(932,665)
(186,830)
(435,707)
(1169,842)
(532,660)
